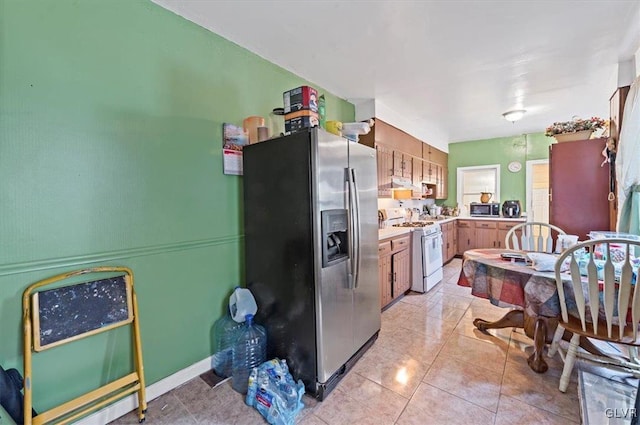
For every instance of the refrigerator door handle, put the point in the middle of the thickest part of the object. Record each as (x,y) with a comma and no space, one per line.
(351,234)
(356,195)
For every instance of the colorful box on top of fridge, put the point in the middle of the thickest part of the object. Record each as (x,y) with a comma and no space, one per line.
(300,122)
(304,97)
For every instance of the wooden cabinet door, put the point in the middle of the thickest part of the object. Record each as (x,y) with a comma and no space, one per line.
(406,267)
(417,176)
(486,234)
(439,157)
(486,238)
(427,172)
(442,189)
(401,272)
(398,164)
(385,170)
(466,236)
(384,276)
(452,246)
(402,165)
(446,240)
(407,167)
(578,187)
(440,181)
(503,229)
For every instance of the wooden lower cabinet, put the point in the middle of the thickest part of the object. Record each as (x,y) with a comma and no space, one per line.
(466,236)
(394,268)
(401,272)
(474,234)
(384,276)
(449,240)
(503,229)
(486,234)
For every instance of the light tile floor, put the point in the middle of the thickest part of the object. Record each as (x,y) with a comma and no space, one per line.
(429,366)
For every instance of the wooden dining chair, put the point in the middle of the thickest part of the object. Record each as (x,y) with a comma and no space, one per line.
(605,288)
(532,236)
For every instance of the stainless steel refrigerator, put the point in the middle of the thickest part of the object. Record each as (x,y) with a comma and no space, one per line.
(311,251)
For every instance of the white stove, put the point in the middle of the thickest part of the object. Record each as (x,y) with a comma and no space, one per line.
(426,227)
(426,248)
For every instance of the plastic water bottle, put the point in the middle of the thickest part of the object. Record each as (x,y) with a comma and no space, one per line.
(225,331)
(249,351)
(241,303)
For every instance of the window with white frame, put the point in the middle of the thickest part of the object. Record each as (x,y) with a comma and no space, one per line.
(472,181)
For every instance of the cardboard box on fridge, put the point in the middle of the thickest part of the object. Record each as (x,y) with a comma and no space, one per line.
(301,121)
(300,98)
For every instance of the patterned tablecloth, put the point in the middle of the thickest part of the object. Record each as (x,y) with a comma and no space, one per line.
(511,284)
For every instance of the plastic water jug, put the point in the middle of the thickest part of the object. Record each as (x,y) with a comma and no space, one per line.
(225,331)
(249,351)
(241,303)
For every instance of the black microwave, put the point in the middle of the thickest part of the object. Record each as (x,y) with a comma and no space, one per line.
(491,209)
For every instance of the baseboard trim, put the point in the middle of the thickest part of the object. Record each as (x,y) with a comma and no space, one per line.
(127,404)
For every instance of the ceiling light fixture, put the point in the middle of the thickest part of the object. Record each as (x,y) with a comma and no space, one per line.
(514,115)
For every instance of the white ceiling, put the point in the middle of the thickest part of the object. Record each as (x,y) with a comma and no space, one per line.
(444,71)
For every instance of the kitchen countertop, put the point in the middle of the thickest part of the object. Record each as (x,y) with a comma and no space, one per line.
(390,232)
(517,220)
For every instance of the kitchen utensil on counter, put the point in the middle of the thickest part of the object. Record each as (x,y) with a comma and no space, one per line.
(511,209)
(250,125)
(485,197)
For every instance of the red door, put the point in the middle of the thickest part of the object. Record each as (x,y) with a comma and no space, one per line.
(578,187)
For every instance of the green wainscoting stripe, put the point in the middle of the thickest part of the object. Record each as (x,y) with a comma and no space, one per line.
(53,263)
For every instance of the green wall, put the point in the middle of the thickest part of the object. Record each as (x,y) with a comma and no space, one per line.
(110,154)
(501,151)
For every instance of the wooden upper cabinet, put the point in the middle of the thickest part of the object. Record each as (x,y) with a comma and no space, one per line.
(435,155)
(428,172)
(435,170)
(385,170)
(388,135)
(402,155)
(417,176)
(442,186)
(439,157)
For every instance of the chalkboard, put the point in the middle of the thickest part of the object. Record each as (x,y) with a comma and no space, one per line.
(75,311)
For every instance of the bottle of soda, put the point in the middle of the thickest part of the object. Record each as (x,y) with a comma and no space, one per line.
(249,351)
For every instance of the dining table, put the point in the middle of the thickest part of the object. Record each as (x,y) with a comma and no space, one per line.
(531,295)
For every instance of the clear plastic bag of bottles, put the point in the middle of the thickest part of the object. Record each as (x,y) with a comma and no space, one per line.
(274,393)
